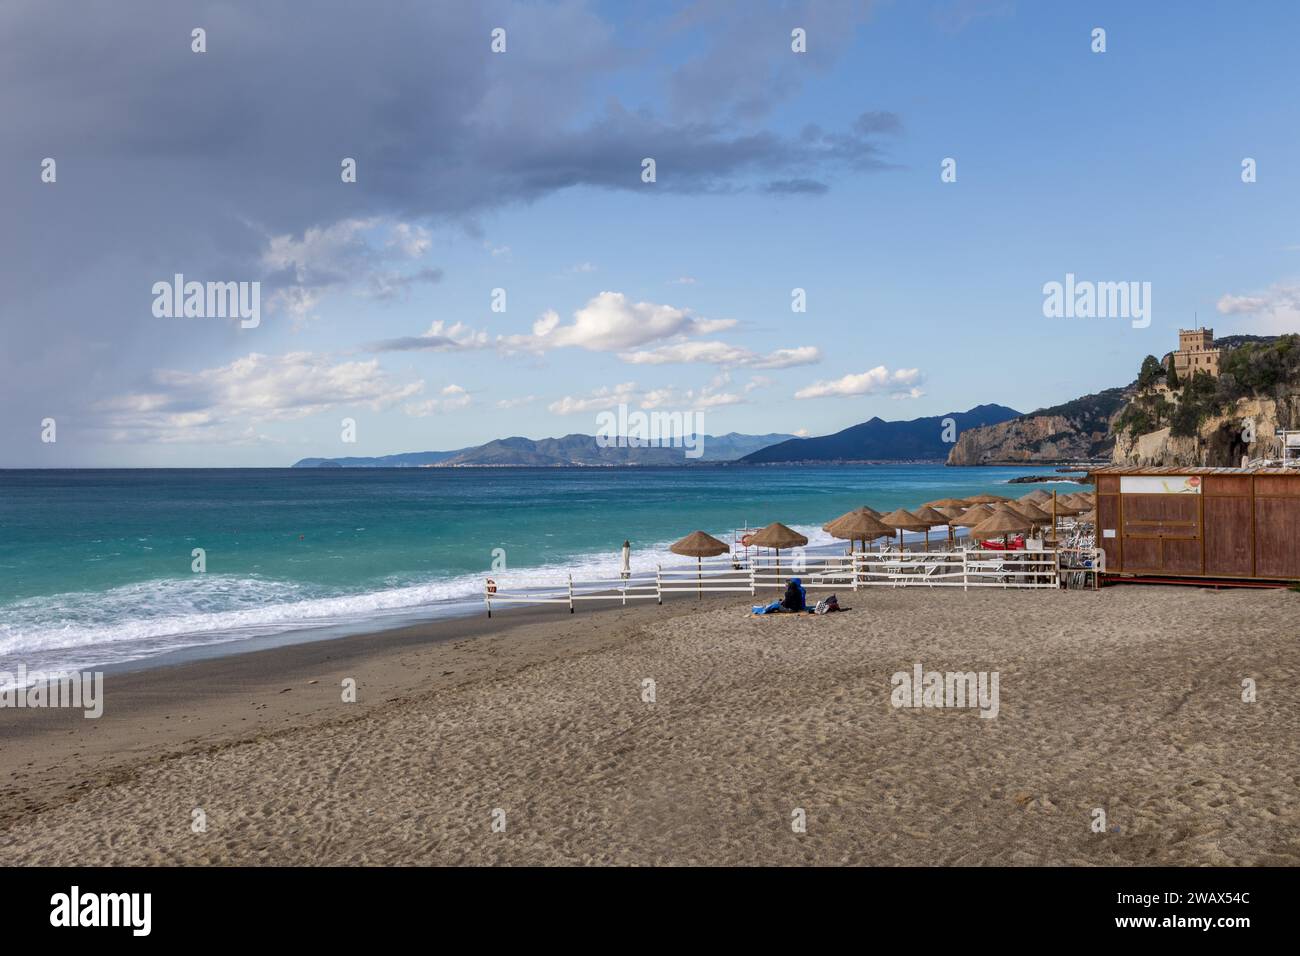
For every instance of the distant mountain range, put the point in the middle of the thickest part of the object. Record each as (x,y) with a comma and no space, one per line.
(921,439)
(555,452)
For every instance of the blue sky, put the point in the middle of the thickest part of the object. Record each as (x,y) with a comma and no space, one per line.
(521,171)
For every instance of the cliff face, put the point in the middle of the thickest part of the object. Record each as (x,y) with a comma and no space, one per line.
(1037,438)
(1071,432)
(1221,440)
(1219,421)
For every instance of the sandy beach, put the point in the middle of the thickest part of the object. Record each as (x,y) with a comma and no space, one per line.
(1128,700)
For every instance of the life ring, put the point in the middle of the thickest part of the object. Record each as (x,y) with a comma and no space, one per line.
(746,539)
(491,586)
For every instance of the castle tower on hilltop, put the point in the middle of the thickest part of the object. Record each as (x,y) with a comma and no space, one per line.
(1196,353)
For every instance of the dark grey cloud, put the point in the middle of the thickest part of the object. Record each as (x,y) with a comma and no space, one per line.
(796,187)
(171,161)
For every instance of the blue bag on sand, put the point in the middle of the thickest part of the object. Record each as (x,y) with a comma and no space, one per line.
(767,608)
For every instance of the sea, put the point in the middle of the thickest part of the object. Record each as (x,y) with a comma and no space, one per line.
(97,567)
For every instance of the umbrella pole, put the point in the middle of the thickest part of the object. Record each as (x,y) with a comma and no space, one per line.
(699,577)
(927,539)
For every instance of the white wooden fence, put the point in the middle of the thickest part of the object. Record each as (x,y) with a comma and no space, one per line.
(969,568)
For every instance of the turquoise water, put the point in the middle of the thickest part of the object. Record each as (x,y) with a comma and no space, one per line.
(95,566)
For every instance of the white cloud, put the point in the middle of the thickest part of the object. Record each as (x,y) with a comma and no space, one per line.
(720,353)
(610,322)
(1277,307)
(453,398)
(222,404)
(901,383)
(440,337)
(712,395)
(599,400)
(516,402)
(347,254)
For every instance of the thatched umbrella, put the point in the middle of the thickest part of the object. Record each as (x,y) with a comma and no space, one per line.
(699,545)
(932,519)
(1088,517)
(1031,511)
(948,503)
(1037,497)
(951,514)
(778,536)
(987,499)
(972,516)
(903,520)
(858,525)
(862,510)
(1003,521)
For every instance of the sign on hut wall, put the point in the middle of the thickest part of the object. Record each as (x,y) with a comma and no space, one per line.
(1160,485)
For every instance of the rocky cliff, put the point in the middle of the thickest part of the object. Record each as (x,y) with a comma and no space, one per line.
(1078,430)
(1249,429)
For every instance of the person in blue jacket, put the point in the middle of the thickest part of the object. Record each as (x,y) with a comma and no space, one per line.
(796,599)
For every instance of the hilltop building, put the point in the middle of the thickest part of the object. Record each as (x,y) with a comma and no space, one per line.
(1196,353)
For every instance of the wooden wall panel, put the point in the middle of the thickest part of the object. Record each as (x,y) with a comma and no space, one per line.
(1227,485)
(1141,554)
(1228,544)
(1108,484)
(1271,485)
(1108,517)
(1277,537)
(1181,555)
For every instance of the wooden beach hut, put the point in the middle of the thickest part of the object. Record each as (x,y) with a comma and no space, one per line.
(1225,523)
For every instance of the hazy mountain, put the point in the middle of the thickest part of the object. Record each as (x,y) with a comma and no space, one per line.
(547,452)
(410,459)
(920,439)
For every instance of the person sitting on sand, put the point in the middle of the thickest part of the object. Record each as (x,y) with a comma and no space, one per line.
(796,599)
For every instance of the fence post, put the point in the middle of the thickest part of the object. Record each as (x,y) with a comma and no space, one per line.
(965,572)
(570,592)
(853,566)
(659,582)
(1056,569)
(753,570)
(487,599)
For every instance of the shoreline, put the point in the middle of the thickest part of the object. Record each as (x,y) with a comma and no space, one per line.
(1105,701)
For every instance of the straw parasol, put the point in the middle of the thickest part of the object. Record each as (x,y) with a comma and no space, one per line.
(1037,496)
(987,499)
(1063,506)
(948,503)
(778,536)
(858,525)
(1088,517)
(1003,521)
(1031,511)
(699,545)
(972,516)
(903,520)
(862,510)
(932,518)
